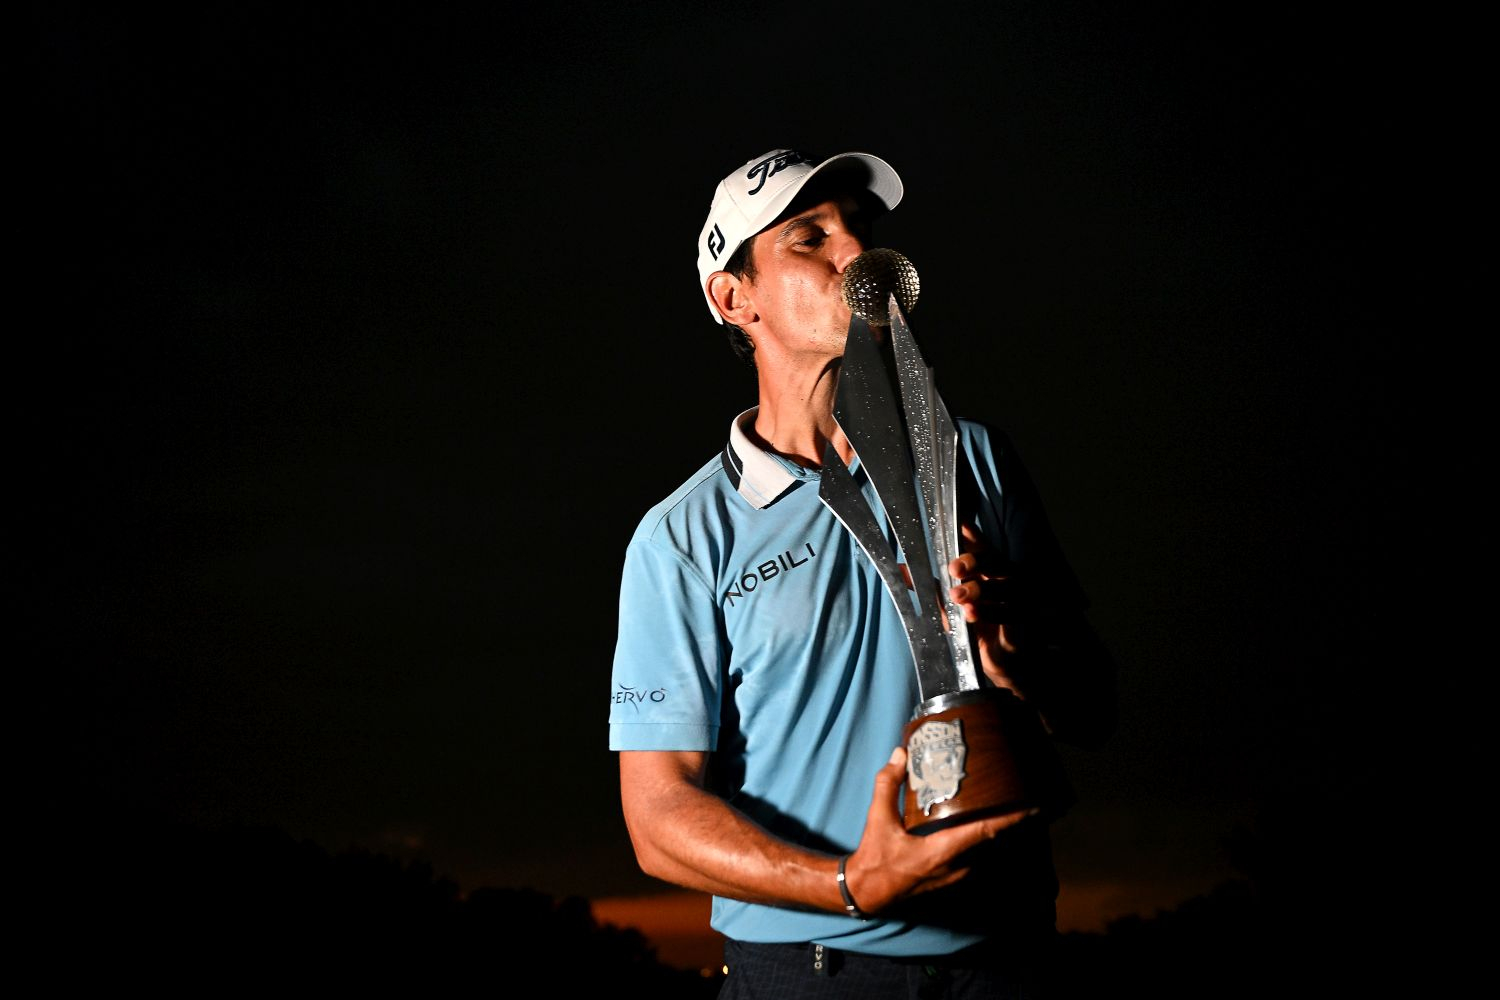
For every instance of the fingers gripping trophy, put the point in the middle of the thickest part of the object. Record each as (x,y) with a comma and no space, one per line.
(973,749)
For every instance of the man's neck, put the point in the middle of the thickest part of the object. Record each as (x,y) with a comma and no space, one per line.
(796,415)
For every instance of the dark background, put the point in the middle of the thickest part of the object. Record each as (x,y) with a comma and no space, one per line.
(372,331)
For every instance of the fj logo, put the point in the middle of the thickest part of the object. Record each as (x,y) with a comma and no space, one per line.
(715,242)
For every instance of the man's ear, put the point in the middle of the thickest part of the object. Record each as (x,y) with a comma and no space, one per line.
(730,295)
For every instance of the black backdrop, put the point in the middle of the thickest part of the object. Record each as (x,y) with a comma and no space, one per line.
(369,333)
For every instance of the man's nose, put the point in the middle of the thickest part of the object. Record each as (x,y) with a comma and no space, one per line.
(846,247)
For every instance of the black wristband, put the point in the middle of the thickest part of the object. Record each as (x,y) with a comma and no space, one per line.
(850,907)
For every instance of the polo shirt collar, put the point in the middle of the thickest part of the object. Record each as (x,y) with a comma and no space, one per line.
(758,475)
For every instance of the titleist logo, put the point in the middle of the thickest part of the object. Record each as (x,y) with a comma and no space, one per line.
(773,165)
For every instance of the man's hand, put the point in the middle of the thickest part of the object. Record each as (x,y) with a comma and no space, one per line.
(1046,654)
(890,864)
(988,599)
(689,836)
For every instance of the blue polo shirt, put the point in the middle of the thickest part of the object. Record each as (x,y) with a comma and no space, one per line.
(752,626)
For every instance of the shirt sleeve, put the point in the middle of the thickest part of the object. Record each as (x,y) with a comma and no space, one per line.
(669,657)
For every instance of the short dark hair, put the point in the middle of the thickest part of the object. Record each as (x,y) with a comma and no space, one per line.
(741,264)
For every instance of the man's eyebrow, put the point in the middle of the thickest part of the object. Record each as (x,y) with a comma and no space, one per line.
(810,219)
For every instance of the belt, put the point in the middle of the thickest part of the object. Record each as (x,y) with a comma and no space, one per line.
(823,960)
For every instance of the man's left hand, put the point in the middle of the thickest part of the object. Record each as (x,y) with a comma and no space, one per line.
(989,598)
(1046,654)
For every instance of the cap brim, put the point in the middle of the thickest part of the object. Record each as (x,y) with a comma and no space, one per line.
(875,174)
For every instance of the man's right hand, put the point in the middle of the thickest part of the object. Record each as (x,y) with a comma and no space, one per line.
(687,835)
(891,864)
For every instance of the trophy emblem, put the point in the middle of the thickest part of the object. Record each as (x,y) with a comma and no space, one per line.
(973,749)
(937,752)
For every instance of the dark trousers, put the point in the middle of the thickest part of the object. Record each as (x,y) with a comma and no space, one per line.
(792,971)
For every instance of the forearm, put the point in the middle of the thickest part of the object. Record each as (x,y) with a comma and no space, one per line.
(686,835)
(690,837)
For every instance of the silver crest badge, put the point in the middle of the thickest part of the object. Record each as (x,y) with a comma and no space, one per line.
(935,762)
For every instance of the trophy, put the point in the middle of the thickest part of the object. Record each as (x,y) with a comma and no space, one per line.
(972,749)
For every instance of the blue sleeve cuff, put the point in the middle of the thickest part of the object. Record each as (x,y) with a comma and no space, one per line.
(662,736)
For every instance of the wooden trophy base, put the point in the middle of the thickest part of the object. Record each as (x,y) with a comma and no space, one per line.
(972,754)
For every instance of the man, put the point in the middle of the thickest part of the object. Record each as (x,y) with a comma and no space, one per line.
(762,675)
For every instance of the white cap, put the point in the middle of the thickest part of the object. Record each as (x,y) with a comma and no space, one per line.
(755,195)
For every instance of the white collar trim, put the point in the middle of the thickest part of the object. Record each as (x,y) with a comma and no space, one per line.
(758,476)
